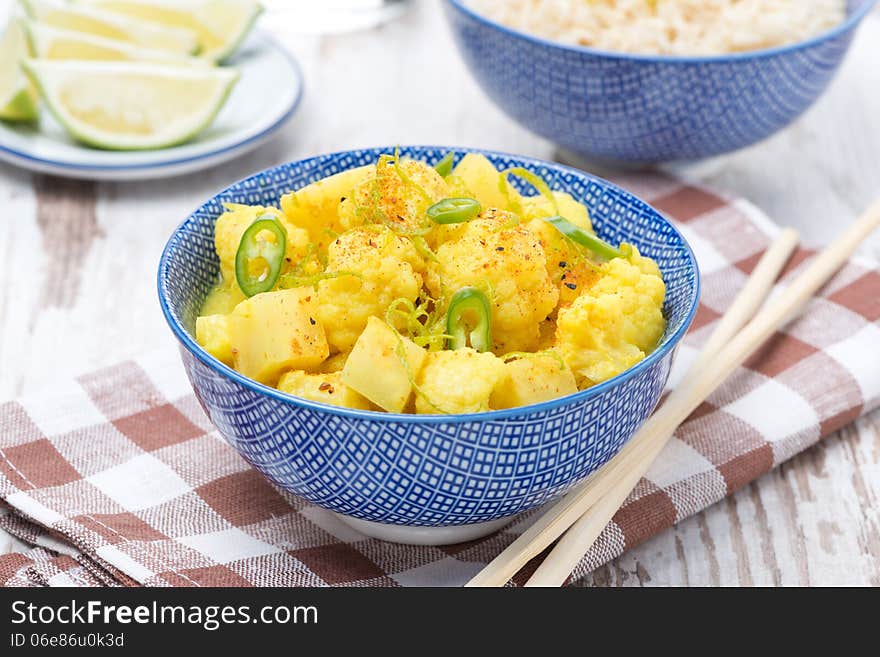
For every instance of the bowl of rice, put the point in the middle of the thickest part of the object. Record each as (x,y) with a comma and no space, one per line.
(640,82)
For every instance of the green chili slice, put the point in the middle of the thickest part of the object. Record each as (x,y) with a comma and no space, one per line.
(469,306)
(578,235)
(260,255)
(444,166)
(454,210)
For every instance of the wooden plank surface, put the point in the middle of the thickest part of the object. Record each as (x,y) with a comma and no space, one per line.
(78,270)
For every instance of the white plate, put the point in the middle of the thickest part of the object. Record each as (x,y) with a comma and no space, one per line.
(265,97)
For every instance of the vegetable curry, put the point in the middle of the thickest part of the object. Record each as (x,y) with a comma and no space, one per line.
(406,288)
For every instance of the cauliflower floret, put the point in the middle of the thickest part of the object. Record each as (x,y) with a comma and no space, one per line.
(567,265)
(508,264)
(327,388)
(459,381)
(388,198)
(231,226)
(376,267)
(646,265)
(315,207)
(615,322)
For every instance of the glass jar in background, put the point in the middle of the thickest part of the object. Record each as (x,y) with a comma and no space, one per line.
(330,16)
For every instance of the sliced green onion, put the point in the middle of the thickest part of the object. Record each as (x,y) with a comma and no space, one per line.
(454,210)
(260,255)
(444,166)
(578,235)
(469,305)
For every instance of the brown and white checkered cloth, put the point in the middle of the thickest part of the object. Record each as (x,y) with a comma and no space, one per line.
(117,478)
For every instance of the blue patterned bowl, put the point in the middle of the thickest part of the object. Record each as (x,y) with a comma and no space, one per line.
(425,471)
(630,110)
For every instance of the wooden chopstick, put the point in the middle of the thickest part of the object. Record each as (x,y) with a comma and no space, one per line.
(750,299)
(644,446)
(561,561)
(757,288)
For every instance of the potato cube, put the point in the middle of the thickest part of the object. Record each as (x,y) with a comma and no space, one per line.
(326,388)
(481,177)
(212,333)
(533,380)
(277,331)
(383,365)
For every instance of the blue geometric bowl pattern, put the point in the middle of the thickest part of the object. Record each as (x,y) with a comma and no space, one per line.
(425,470)
(636,109)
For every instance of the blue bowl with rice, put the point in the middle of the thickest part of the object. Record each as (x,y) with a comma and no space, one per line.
(636,109)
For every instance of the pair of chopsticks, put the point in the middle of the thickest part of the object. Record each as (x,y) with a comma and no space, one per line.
(581,515)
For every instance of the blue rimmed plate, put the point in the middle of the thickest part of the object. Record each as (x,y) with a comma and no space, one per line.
(241,126)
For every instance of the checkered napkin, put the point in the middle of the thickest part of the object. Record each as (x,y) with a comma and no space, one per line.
(118,478)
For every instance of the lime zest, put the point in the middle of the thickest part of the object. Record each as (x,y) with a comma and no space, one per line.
(534,180)
(411,313)
(299,267)
(400,352)
(420,324)
(374,214)
(406,178)
(432,340)
(421,245)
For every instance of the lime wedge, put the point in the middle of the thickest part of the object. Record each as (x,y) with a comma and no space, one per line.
(18,98)
(53,43)
(111,25)
(131,106)
(221,25)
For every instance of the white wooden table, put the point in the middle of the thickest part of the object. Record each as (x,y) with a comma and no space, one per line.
(78,261)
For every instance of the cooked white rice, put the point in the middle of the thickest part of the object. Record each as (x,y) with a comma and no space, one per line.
(669,27)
